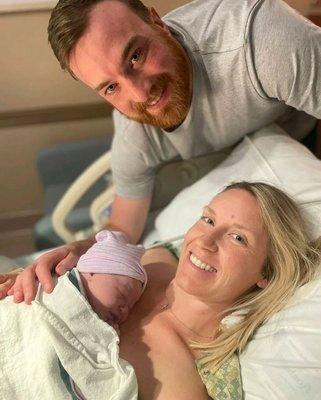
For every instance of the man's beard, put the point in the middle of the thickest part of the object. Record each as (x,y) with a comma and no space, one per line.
(174,112)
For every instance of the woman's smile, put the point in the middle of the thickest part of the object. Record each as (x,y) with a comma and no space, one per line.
(201,264)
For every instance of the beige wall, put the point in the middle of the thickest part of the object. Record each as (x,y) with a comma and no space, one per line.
(301,5)
(31,82)
(164,6)
(19,182)
(30,77)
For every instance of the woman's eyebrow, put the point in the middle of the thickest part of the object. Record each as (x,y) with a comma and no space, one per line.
(236,225)
(209,209)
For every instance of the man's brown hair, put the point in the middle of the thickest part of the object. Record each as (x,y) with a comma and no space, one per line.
(69,20)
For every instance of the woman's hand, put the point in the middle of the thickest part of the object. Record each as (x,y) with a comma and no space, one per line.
(59,260)
(7,280)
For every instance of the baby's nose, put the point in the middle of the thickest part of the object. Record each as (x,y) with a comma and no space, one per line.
(124,311)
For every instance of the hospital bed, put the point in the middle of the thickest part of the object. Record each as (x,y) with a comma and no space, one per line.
(283,360)
(170,180)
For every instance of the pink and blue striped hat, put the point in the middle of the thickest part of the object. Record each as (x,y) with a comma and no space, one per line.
(112,254)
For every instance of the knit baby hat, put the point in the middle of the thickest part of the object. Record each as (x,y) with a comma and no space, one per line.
(112,254)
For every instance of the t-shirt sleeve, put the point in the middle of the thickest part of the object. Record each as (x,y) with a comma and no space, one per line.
(133,176)
(286,56)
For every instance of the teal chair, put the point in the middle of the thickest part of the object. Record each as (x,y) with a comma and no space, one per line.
(58,167)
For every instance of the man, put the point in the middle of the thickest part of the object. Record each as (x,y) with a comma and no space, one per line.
(194,83)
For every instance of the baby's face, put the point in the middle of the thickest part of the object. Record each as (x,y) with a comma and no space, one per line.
(112,296)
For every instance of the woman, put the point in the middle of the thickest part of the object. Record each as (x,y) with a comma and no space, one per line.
(246,255)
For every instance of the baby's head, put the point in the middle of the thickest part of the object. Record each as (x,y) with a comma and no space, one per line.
(112,276)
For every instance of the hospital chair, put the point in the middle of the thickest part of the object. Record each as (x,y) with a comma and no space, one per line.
(58,167)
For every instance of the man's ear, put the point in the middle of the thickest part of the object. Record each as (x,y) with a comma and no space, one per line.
(262,283)
(156,19)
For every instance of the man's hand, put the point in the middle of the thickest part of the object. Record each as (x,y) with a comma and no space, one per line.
(128,216)
(7,280)
(59,260)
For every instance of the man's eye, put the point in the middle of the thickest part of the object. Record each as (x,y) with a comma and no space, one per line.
(110,89)
(135,57)
(207,220)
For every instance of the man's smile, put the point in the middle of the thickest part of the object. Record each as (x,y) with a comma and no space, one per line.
(160,101)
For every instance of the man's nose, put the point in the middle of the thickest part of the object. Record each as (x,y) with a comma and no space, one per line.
(138,90)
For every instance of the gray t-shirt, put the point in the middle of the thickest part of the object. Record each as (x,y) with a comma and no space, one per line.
(254,62)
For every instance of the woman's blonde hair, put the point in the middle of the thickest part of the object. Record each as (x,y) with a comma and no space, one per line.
(291,262)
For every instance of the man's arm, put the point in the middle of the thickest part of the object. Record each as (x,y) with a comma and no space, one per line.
(128,216)
(286,56)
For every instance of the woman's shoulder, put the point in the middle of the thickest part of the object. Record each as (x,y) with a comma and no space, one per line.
(160,265)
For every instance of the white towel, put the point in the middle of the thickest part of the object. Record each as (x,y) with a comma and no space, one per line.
(60,335)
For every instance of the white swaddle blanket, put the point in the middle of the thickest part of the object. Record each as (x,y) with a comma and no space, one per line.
(56,339)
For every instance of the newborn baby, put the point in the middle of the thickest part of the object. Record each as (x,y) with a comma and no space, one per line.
(112,277)
(60,341)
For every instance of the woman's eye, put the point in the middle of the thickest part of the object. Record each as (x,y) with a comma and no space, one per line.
(135,57)
(110,89)
(239,238)
(207,220)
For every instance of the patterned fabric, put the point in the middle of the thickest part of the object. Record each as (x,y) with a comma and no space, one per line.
(170,247)
(175,247)
(225,383)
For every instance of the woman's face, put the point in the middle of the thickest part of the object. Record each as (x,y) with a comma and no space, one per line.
(224,252)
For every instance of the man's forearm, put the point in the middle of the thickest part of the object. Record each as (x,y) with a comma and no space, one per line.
(129,216)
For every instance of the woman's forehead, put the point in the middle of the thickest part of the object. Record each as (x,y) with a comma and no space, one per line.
(238,206)
(234,196)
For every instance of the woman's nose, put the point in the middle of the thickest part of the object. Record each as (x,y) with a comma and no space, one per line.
(209,241)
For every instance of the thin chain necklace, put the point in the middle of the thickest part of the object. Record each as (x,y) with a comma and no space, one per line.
(166,306)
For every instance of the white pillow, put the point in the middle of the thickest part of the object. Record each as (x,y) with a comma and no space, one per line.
(268,155)
(283,360)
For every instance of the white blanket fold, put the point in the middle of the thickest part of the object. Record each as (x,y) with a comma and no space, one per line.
(60,335)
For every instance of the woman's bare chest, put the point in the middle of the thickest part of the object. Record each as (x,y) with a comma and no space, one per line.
(163,364)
